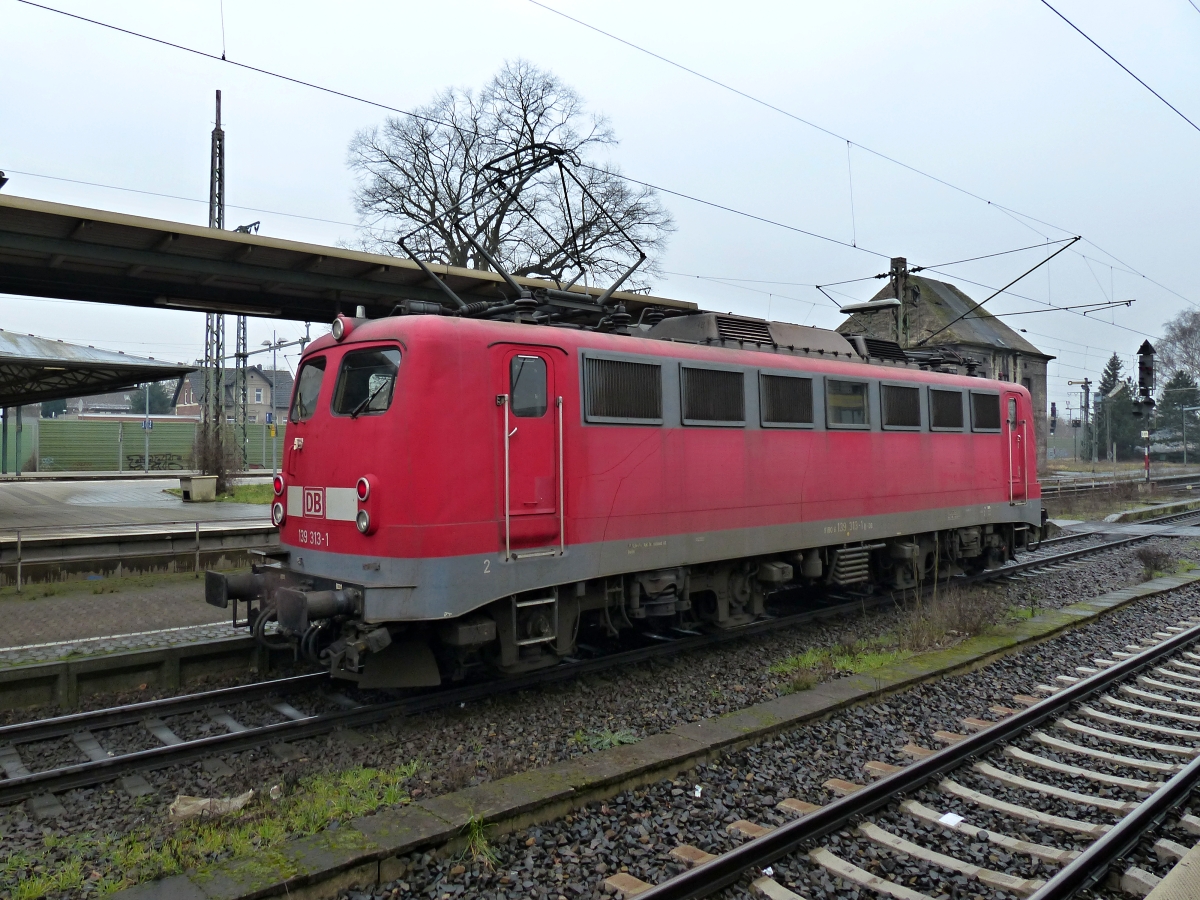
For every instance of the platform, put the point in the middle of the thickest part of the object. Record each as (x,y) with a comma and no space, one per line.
(48,622)
(67,504)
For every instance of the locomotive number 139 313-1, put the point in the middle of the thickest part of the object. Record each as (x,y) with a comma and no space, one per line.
(313,538)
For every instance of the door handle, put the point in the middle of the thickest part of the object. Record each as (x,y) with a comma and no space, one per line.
(511,433)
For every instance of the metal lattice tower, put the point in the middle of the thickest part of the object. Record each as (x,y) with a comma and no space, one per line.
(241,389)
(212,417)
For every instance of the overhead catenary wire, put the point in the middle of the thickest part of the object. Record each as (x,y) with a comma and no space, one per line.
(434,121)
(1017,215)
(680,194)
(1000,291)
(1126,69)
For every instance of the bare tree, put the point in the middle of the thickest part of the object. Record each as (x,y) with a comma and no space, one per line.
(1179,349)
(424,170)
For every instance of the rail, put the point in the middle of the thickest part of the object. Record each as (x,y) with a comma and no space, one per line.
(302,726)
(724,870)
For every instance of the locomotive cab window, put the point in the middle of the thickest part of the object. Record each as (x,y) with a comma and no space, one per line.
(846,404)
(366,382)
(1012,413)
(308,387)
(901,406)
(785,401)
(945,410)
(985,412)
(527,386)
(712,396)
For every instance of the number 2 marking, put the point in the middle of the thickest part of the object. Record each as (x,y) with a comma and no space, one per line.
(487,567)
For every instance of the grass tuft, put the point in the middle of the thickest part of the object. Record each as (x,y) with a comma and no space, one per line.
(478,847)
(604,739)
(111,863)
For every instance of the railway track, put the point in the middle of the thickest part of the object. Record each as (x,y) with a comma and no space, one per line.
(205,726)
(1131,715)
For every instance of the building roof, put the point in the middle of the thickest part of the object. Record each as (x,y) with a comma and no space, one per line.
(75,253)
(941,303)
(35,369)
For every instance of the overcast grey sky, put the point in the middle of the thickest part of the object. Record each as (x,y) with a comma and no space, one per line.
(1001,99)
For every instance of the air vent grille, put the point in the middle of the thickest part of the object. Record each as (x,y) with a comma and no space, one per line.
(901,406)
(946,409)
(713,395)
(623,391)
(731,329)
(878,348)
(786,400)
(985,412)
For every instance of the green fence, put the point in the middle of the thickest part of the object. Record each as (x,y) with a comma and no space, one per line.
(71,445)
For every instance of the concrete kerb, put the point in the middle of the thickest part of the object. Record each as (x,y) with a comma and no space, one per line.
(1147,512)
(65,682)
(367,851)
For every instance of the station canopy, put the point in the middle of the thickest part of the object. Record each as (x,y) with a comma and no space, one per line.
(34,370)
(74,253)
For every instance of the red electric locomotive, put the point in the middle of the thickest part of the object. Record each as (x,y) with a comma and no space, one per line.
(459,492)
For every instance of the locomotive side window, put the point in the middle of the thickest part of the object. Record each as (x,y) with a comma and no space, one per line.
(712,396)
(527,386)
(846,404)
(985,412)
(901,406)
(945,409)
(617,390)
(785,399)
(366,381)
(308,386)
(1012,413)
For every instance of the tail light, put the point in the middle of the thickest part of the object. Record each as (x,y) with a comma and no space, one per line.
(277,484)
(277,514)
(363,489)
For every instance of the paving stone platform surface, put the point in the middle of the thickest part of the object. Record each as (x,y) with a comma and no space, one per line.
(77,619)
(66,504)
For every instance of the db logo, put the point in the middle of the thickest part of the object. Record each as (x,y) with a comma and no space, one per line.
(314,502)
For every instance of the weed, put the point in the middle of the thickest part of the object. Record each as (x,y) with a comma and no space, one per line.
(803,680)
(478,848)
(1154,562)
(604,739)
(956,613)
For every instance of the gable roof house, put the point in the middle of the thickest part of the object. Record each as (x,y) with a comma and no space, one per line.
(936,315)
(260,383)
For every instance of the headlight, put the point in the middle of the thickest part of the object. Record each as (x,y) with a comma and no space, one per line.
(341,327)
(363,521)
(364,489)
(277,516)
(277,484)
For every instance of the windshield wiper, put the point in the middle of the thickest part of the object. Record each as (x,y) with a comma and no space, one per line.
(354,414)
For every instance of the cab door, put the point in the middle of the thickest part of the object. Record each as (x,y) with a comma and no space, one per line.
(1016,428)
(530,414)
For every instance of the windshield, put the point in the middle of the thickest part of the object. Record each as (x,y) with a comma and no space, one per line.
(308,386)
(365,382)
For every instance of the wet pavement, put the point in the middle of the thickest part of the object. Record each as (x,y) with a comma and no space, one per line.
(61,505)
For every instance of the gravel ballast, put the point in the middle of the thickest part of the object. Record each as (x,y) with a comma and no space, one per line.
(635,831)
(514,733)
